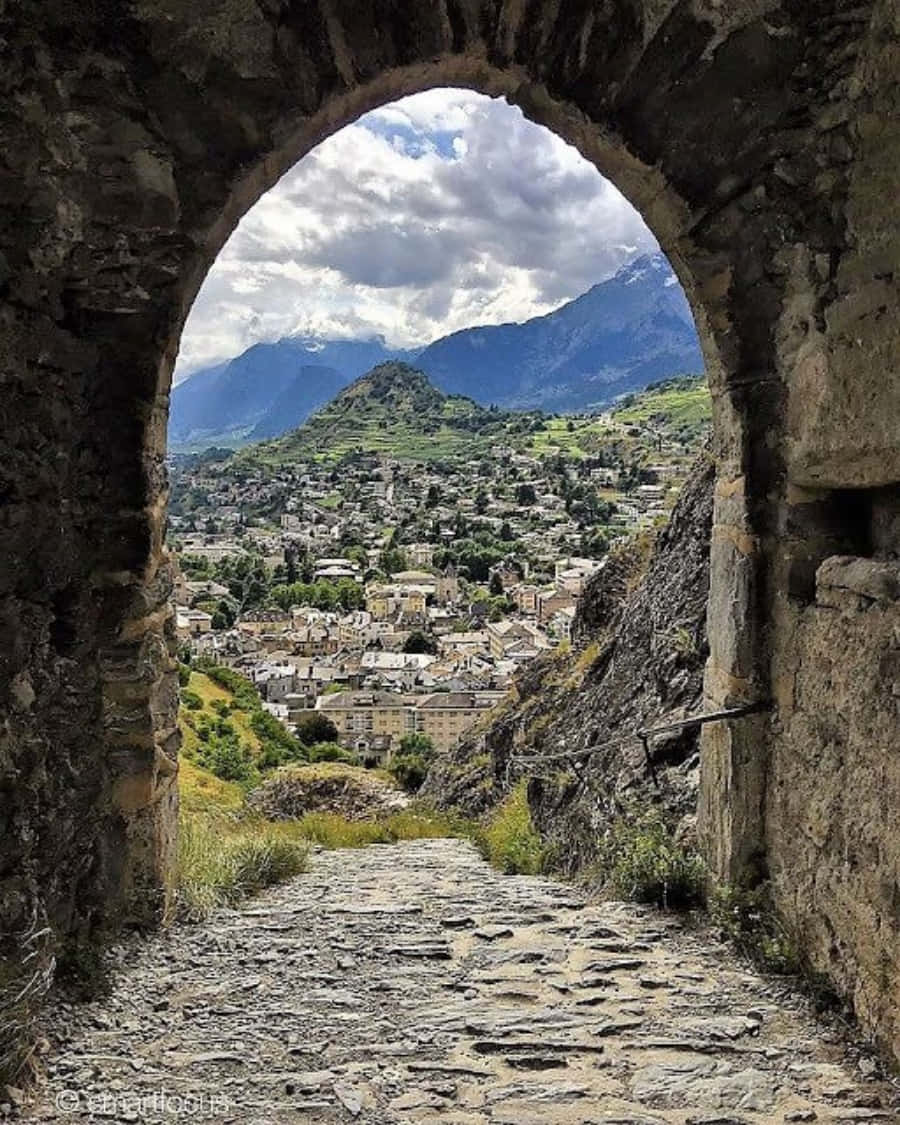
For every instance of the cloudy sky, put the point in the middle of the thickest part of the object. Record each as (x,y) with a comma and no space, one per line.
(441,211)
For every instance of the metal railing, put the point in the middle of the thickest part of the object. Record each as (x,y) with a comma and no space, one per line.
(643,735)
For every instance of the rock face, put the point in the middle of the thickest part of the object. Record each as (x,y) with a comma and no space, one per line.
(347,791)
(760,141)
(638,656)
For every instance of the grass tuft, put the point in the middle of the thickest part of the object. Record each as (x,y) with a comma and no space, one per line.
(748,919)
(25,979)
(223,860)
(508,839)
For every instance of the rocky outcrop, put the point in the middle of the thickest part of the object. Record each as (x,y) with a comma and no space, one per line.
(347,791)
(571,726)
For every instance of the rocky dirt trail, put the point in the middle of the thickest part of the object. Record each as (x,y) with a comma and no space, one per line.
(412,983)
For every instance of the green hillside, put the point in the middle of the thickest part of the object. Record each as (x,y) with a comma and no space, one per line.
(394,410)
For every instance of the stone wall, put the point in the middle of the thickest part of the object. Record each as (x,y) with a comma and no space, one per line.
(758,139)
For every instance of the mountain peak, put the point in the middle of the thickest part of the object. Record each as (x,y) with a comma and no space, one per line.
(392,407)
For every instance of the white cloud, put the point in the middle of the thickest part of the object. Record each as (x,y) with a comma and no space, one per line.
(437,212)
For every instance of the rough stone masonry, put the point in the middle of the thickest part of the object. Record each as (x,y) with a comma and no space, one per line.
(761,142)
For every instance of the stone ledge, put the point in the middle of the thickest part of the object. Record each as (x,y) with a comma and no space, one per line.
(874,579)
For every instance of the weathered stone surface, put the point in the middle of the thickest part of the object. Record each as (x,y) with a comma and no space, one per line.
(299,1007)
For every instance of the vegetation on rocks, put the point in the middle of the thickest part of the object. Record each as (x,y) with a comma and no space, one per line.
(333,831)
(409,766)
(748,920)
(640,860)
(508,838)
(25,979)
(334,787)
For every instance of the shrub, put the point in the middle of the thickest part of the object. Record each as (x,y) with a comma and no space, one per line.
(191,700)
(643,862)
(748,919)
(509,839)
(226,757)
(222,861)
(316,727)
(277,744)
(331,752)
(184,674)
(245,695)
(410,765)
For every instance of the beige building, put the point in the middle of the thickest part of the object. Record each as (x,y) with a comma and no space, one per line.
(519,637)
(552,601)
(387,601)
(373,723)
(445,716)
(191,623)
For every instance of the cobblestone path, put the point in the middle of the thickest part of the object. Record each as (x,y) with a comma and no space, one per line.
(412,983)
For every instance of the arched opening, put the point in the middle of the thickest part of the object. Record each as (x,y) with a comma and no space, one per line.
(759,146)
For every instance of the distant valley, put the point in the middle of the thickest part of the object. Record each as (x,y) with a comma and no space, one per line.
(623,334)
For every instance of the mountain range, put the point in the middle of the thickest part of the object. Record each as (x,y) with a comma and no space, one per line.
(632,330)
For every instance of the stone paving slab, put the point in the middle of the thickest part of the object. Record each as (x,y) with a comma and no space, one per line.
(413,983)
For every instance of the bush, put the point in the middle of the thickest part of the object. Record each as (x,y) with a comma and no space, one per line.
(225,756)
(748,919)
(331,752)
(246,697)
(221,861)
(410,765)
(184,674)
(509,839)
(275,740)
(191,700)
(643,862)
(316,727)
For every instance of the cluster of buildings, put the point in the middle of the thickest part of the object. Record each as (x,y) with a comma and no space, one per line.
(430,651)
(356,667)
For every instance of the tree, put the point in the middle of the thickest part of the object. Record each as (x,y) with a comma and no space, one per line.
(495,586)
(316,727)
(391,560)
(409,766)
(433,497)
(525,495)
(482,500)
(417,641)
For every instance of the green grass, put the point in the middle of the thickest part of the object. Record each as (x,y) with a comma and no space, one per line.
(641,861)
(333,831)
(508,838)
(676,403)
(209,693)
(223,860)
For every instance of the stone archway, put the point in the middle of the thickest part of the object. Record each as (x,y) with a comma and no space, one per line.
(760,143)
